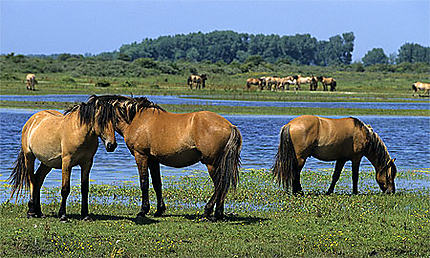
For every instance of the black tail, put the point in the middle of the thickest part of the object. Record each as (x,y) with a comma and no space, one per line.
(19,176)
(227,171)
(285,167)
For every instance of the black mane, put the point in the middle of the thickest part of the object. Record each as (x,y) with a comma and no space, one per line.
(128,107)
(95,106)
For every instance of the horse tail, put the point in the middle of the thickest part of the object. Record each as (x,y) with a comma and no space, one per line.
(285,167)
(334,85)
(19,177)
(227,170)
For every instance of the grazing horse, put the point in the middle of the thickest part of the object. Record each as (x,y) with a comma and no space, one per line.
(328,140)
(313,85)
(155,136)
(327,81)
(198,80)
(30,81)
(253,81)
(301,80)
(62,141)
(420,86)
(285,82)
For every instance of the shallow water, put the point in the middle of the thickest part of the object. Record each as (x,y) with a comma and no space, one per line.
(183,100)
(407,139)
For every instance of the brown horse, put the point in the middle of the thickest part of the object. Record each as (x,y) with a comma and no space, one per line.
(327,81)
(30,81)
(62,141)
(313,85)
(198,80)
(253,81)
(328,140)
(420,86)
(284,83)
(156,136)
(301,80)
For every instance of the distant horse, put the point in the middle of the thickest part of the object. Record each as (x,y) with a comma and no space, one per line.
(198,80)
(62,141)
(31,81)
(285,82)
(313,85)
(253,81)
(328,140)
(327,81)
(421,86)
(301,80)
(156,136)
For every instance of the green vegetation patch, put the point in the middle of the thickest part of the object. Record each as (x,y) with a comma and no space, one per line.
(262,220)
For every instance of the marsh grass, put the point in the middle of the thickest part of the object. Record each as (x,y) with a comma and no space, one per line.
(262,220)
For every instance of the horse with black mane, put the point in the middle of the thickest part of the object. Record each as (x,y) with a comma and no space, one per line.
(155,136)
(421,86)
(198,80)
(62,141)
(327,81)
(329,139)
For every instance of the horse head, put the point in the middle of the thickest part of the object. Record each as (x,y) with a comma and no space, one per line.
(385,177)
(104,121)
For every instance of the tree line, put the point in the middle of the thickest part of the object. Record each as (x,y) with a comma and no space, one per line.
(227,46)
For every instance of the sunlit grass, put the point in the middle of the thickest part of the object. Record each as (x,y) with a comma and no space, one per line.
(262,220)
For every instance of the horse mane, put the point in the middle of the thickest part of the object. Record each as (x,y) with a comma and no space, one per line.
(374,145)
(128,107)
(87,111)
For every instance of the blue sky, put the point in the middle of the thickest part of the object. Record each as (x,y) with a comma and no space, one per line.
(46,27)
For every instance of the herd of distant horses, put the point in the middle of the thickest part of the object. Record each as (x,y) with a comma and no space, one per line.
(155,136)
(274,83)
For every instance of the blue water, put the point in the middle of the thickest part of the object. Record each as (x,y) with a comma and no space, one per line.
(181,100)
(407,139)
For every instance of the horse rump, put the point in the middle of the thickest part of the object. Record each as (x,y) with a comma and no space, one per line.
(285,167)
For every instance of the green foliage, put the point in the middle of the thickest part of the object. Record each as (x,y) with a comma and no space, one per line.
(375,56)
(228,46)
(413,53)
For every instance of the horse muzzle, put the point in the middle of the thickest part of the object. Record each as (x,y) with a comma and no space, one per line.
(110,147)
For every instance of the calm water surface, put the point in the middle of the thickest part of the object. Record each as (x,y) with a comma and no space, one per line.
(407,139)
(181,100)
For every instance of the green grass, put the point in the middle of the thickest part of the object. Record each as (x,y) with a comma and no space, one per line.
(352,86)
(238,110)
(262,220)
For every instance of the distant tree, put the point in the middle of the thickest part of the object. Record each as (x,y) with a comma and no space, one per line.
(392,58)
(413,53)
(375,56)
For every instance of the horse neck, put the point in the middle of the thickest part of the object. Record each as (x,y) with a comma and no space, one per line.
(121,127)
(377,153)
(73,120)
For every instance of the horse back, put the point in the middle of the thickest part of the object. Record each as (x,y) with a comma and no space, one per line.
(327,138)
(188,137)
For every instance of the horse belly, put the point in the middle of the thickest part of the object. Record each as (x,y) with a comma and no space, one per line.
(181,159)
(330,153)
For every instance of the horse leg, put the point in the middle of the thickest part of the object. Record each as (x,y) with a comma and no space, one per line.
(142,166)
(29,165)
(154,168)
(65,187)
(355,169)
(297,187)
(209,207)
(336,174)
(85,187)
(41,173)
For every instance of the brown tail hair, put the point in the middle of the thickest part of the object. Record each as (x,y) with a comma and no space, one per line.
(228,164)
(19,176)
(285,167)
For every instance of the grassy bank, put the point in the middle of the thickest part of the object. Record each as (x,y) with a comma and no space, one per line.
(262,220)
(239,110)
(352,86)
